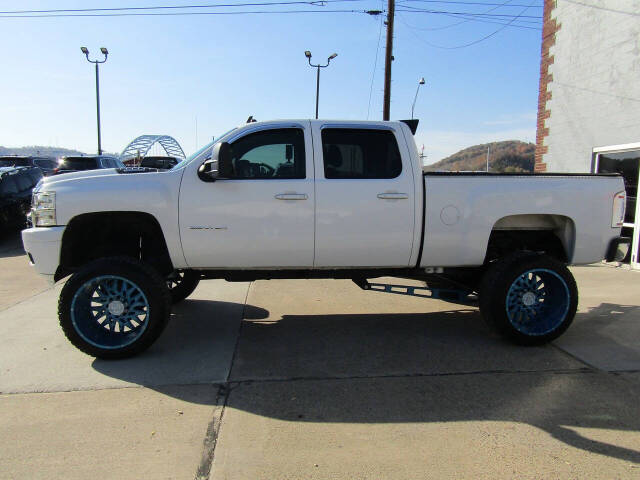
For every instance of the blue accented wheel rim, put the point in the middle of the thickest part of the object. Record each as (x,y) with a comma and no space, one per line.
(538,302)
(110,312)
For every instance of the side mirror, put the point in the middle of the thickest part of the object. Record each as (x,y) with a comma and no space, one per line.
(219,166)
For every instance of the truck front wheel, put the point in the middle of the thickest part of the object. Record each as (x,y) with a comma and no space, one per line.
(114,307)
(529,298)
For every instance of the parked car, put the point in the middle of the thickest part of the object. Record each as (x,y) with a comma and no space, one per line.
(46,164)
(16,186)
(161,163)
(317,199)
(89,162)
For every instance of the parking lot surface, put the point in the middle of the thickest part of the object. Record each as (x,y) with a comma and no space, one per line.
(319,379)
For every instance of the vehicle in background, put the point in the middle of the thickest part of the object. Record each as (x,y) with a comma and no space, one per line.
(46,164)
(161,163)
(90,162)
(16,186)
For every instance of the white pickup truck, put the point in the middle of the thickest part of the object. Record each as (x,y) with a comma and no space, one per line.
(316,199)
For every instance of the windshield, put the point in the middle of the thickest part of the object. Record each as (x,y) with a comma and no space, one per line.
(202,150)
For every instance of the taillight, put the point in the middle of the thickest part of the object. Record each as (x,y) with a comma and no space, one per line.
(619,204)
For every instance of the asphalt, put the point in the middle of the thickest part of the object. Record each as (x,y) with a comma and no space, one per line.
(319,379)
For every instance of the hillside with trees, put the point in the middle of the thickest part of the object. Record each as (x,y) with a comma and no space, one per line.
(40,151)
(510,156)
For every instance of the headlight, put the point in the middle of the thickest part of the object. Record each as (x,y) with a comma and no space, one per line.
(619,204)
(43,209)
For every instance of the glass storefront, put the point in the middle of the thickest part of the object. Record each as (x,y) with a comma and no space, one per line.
(625,160)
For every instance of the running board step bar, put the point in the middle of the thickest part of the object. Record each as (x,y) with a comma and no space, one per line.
(460,296)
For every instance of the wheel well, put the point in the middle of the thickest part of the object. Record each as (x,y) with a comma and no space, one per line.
(551,234)
(97,235)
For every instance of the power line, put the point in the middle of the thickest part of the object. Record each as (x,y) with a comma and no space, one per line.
(375,65)
(175,14)
(486,37)
(469,19)
(473,14)
(319,3)
(459,2)
(511,25)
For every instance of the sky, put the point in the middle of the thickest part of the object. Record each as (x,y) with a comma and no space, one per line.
(167,74)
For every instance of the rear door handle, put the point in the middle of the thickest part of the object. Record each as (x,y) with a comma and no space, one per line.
(291,196)
(393,196)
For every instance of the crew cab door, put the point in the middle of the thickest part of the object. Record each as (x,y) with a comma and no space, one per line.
(364,196)
(262,216)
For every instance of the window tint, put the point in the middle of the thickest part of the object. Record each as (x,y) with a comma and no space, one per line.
(269,154)
(79,163)
(360,153)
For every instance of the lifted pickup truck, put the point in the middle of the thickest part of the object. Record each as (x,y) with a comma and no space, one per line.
(316,199)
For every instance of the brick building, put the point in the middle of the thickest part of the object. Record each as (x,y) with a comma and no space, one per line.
(589,99)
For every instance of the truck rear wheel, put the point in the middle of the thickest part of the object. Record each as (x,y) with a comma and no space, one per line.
(529,298)
(182,283)
(114,307)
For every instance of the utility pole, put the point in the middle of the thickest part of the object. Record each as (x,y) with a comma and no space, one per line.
(488,149)
(388,59)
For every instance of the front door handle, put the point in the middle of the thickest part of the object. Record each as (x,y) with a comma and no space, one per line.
(393,196)
(291,196)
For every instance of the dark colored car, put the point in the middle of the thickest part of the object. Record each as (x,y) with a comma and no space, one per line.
(16,185)
(46,164)
(90,162)
(162,163)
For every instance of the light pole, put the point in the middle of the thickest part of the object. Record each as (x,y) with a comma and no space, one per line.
(318,67)
(105,52)
(421,82)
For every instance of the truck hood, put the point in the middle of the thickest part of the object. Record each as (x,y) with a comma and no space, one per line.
(64,178)
(67,177)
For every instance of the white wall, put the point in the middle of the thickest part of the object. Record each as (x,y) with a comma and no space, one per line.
(596,81)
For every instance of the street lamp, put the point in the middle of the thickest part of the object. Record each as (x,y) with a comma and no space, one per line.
(105,52)
(421,82)
(307,54)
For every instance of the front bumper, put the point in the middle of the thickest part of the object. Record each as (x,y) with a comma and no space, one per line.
(42,245)
(618,249)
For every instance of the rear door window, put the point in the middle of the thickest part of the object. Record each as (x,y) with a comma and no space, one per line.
(360,153)
(79,163)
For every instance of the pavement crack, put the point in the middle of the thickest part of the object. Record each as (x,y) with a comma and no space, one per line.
(211,437)
(224,389)
(576,358)
(247,381)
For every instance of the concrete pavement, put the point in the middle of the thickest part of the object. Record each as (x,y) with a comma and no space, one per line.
(319,379)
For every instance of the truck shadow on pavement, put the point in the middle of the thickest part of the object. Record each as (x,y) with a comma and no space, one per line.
(439,367)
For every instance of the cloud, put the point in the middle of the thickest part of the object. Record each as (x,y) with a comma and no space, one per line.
(439,144)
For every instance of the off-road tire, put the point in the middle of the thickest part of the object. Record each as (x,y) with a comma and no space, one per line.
(494,295)
(144,277)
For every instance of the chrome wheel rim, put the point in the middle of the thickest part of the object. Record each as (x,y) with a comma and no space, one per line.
(537,302)
(110,312)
